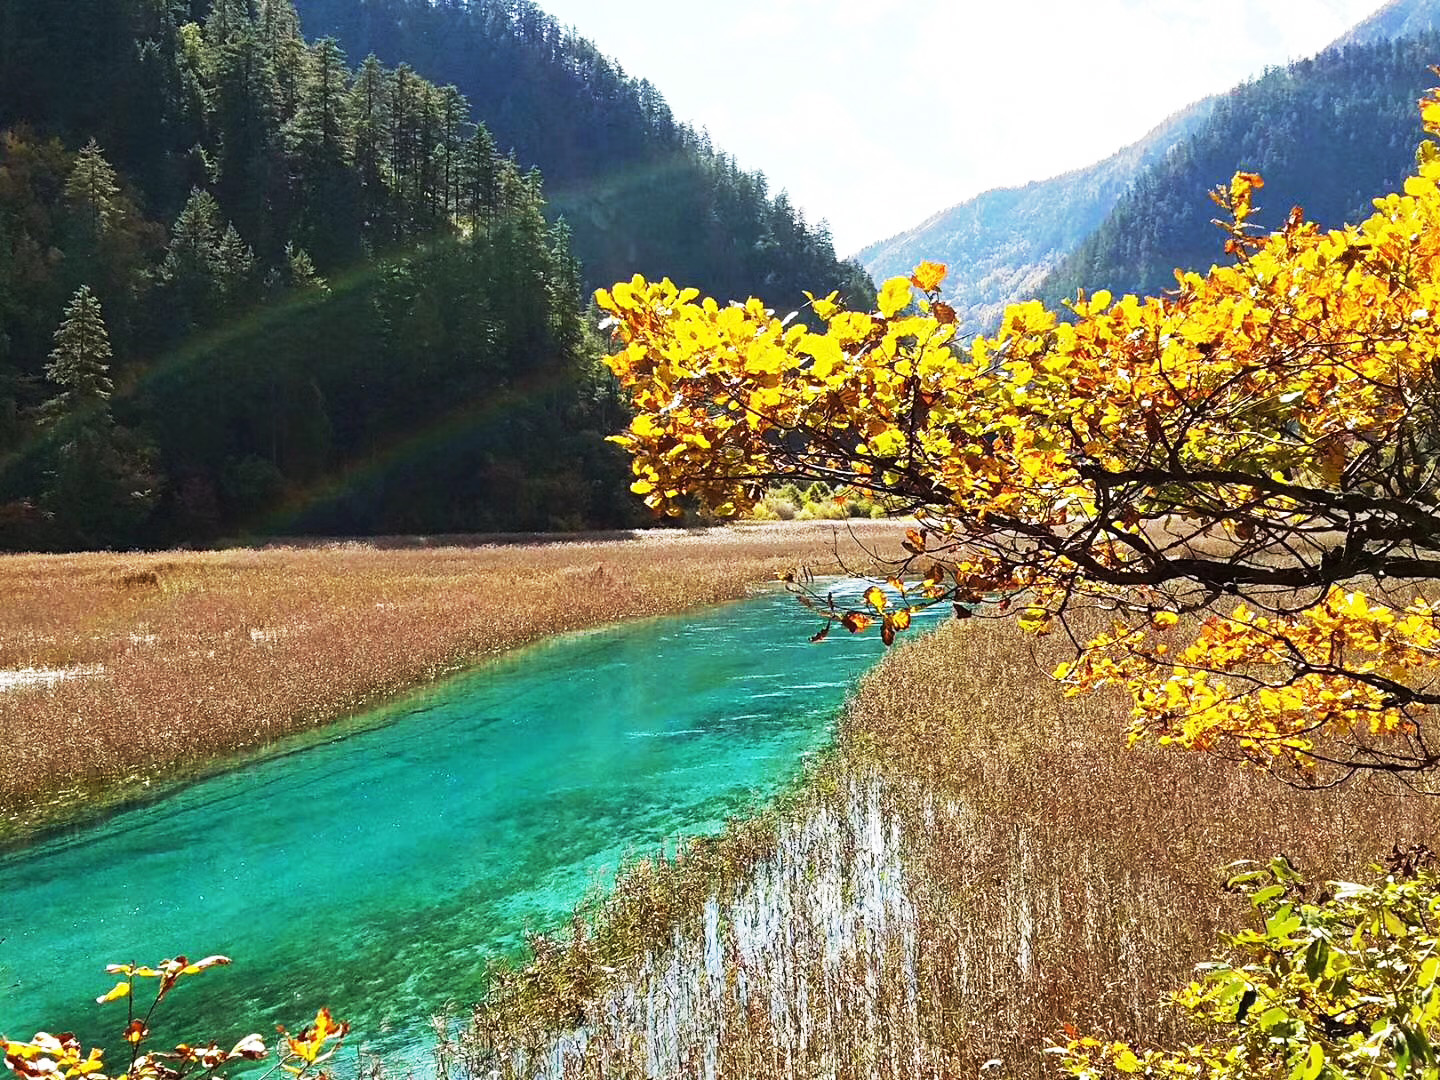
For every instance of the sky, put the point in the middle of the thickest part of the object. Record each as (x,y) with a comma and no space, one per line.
(875,114)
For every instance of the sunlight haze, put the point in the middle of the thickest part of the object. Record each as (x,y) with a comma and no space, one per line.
(875,115)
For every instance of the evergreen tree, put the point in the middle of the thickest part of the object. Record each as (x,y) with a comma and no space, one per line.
(93,189)
(227,20)
(100,484)
(454,112)
(208,267)
(479,181)
(278,27)
(369,104)
(80,362)
(246,114)
(233,265)
(322,135)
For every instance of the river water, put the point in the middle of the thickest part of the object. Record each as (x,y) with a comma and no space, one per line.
(379,870)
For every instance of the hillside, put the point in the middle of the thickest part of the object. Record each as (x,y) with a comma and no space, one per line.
(247,288)
(1397,19)
(1001,244)
(1327,134)
(640,191)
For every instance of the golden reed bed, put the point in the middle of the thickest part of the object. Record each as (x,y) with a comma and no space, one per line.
(122,671)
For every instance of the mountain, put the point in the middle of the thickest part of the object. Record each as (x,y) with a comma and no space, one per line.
(247,288)
(1001,244)
(1010,244)
(1328,134)
(639,190)
(1397,19)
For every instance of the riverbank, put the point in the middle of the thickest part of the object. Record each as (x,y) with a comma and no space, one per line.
(121,674)
(979,862)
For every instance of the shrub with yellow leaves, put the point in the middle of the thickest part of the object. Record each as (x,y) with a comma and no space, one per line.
(1268,431)
(62,1057)
(1332,983)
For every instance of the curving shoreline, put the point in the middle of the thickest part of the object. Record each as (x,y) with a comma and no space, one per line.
(211,659)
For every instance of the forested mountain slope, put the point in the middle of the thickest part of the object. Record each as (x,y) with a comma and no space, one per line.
(248,284)
(640,191)
(1327,134)
(1001,244)
(1397,19)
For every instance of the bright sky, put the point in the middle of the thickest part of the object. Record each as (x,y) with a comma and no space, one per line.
(874,114)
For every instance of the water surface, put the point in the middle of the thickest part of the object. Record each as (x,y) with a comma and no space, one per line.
(378,871)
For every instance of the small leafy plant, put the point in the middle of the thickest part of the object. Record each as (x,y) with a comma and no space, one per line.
(62,1057)
(1330,984)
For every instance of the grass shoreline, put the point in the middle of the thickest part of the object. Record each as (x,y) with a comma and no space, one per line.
(212,660)
(1045,875)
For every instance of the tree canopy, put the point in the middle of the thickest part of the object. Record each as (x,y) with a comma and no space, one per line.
(1265,432)
(330,302)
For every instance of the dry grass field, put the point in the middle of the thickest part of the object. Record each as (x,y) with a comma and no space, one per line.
(981,862)
(122,671)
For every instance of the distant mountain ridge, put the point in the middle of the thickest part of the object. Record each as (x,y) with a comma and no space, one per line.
(1328,134)
(1011,244)
(1003,243)
(1398,19)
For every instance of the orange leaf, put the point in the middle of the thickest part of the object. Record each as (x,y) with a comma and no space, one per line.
(929,276)
(855,622)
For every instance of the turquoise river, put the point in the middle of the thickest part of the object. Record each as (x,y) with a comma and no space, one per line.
(377,869)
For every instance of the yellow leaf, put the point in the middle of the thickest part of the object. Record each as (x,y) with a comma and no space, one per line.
(875,597)
(825,351)
(120,990)
(895,297)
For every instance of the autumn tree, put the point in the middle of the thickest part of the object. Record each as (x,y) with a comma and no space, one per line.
(1243,474)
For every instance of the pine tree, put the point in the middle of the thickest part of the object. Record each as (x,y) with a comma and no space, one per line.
(233,264)
(479,181)
(454,112)
(369,103)
(102,483)
(322,150)
(208,265)
(247,114)
(80,362)
(321,128)
(193,240)
(227,20)
(94,188)
(278,27)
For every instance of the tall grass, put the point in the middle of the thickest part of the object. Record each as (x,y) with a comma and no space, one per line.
(982,862)
(191,657)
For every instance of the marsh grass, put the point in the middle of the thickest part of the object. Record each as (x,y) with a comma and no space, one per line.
(193,658)
(981,862)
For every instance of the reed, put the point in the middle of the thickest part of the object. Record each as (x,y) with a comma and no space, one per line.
(981,862)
